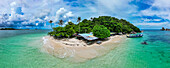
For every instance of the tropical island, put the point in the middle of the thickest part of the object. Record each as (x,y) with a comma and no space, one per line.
(101,27)
(87,39)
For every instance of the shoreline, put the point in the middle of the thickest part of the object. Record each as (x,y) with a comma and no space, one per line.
(80,53)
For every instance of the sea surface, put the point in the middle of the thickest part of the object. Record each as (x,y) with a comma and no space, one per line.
(22,49)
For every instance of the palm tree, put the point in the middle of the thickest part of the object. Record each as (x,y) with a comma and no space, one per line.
(60,22)
(78,20)
(91,19)
(51,23)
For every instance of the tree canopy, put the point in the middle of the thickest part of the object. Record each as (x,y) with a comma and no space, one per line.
(112,23)
(101,31)
(86,26)
(62,32)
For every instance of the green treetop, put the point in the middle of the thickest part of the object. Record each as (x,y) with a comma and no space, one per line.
(101,31)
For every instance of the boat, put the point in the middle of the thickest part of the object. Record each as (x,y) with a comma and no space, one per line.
(135,35)
(99,42)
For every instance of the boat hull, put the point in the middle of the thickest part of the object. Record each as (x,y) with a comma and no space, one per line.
(136,36)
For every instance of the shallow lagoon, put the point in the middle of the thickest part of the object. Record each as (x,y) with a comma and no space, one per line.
(22,49)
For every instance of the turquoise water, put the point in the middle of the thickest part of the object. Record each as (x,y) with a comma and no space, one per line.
(21,49)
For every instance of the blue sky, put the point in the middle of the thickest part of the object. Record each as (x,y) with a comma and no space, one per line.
(145,14)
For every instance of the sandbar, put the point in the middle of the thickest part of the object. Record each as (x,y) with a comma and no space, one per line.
(76,50)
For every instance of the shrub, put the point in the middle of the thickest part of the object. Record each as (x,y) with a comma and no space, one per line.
(51,33)
(101,31)
(62,32)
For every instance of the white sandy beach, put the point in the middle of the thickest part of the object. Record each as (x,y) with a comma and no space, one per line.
(76,50)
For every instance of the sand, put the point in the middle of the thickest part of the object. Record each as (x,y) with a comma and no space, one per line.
(76,50)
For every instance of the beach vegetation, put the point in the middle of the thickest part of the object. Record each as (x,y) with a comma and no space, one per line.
(101,31)
(105,24)
(62,32)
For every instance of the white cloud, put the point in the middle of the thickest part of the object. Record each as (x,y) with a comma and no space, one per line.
(157,19)
(33,20)
(120,8)
(159,9)
(63,14)
(14,16)
(162,9)
(69,14)
(25,23)
(10,23)
(61,11)
(69,20)
(147,20)
(57,9)
(34,10)
(153,24)
(46,18)
(13,4)
(162,3)
(95,8)
(45,10)
(42,13)
(40,20)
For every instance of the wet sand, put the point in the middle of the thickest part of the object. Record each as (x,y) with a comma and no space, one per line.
(76,50)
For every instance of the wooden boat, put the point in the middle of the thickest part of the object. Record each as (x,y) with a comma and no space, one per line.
(135,36)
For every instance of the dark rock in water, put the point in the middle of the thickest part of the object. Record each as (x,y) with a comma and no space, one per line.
(162,53)
(160,58)
(163,29)
(144,43)
(150,52)
(143,46)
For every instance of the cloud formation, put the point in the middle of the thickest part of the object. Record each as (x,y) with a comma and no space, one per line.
(143,13)
(159,8)
(23,13)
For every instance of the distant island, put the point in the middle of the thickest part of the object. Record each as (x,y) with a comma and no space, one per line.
(163,29)
(12,29)
(87,39)
(8,29)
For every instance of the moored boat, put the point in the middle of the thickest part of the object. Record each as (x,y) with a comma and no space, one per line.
(135,36)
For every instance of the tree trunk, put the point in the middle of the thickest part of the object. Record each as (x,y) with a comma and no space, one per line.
(79,27)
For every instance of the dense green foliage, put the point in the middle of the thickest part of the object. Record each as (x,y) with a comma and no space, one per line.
(112,23)
(61,32)
(101,31)
(85,26)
